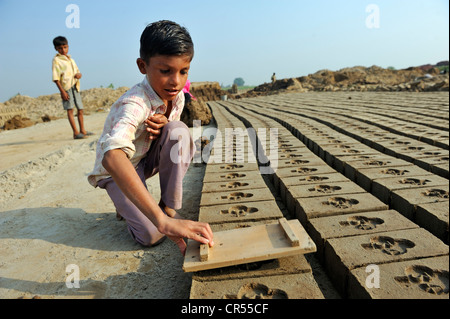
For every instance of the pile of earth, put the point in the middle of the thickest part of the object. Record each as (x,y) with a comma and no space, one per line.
(22,111)
(374,78)
(196,109)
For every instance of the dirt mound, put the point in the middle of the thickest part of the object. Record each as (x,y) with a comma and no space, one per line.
(359,78)
(48,107)
(207,91)
(197,109)
(17,122)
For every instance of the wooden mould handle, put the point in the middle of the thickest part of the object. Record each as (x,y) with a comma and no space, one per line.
(204,252)
(289,233)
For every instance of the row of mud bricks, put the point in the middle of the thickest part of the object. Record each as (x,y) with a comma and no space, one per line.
(373,199)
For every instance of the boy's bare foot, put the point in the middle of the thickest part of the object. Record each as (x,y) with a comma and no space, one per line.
(170,211)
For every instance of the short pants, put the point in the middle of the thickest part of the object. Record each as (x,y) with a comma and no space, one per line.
(74,100)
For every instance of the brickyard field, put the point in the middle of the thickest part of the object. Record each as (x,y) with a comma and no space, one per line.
(366,174)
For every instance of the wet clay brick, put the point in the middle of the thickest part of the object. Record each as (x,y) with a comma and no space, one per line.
(319,189)
(364,177)
(322,229)
(296,286)
(406,200)
(415,279)
(434,218)
(287,182)
(230,168)
(340,161)
(276,267)
(250,211)
(234,185)
(351,168)
(337,205)
(342,255)
(235,197)
(226,176)
(383,187)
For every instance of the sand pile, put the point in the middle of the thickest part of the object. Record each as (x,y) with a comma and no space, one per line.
(361,79)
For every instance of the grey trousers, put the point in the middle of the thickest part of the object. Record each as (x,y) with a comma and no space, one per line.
(170,156)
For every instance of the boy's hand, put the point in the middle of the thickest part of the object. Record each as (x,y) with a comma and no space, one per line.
(65,96)
(177,229)
(154,124)
(78,76)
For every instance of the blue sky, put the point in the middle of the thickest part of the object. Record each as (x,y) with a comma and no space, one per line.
(246,38)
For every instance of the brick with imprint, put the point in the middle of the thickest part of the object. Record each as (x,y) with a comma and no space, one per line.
(406,200)
(243,212)
(413,279)
(233,185)
(227,176)
(434,218)
(230,168)
(324,228)
(235,196)
(315,207)
(287,182)
(351,168)
(290,286)
(365,176)
(342,255)
(318,190)
(383,187)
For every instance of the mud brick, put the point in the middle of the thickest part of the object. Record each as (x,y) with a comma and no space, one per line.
(275,267)
(324,228)
(409,152)
(300,154)
(351,168)
(299,171)
(232,176)
(286,183)
(430,161)
(295,286)
(377,142)
(414,279)
(318,190)
(245,212)
(330,153)
(434,218)
(311,160)
(342,255)
(314,207)
(235,197)
(441,170)
(406,200)
(365,176)
(383,187)
(340,161)
(230,168)
(234,185)
(401,141)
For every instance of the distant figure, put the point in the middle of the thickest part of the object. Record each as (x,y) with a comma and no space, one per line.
(66,75)
(274,78)
(187,94)
(234,88)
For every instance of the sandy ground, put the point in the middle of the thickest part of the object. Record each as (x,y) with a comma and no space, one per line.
(51,218)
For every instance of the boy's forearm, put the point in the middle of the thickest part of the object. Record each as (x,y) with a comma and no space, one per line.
(60,88)
(124,174)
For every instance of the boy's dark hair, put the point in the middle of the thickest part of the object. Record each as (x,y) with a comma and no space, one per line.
(165,38)
(59,41)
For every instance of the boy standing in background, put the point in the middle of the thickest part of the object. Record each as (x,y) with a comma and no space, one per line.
(66,75)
